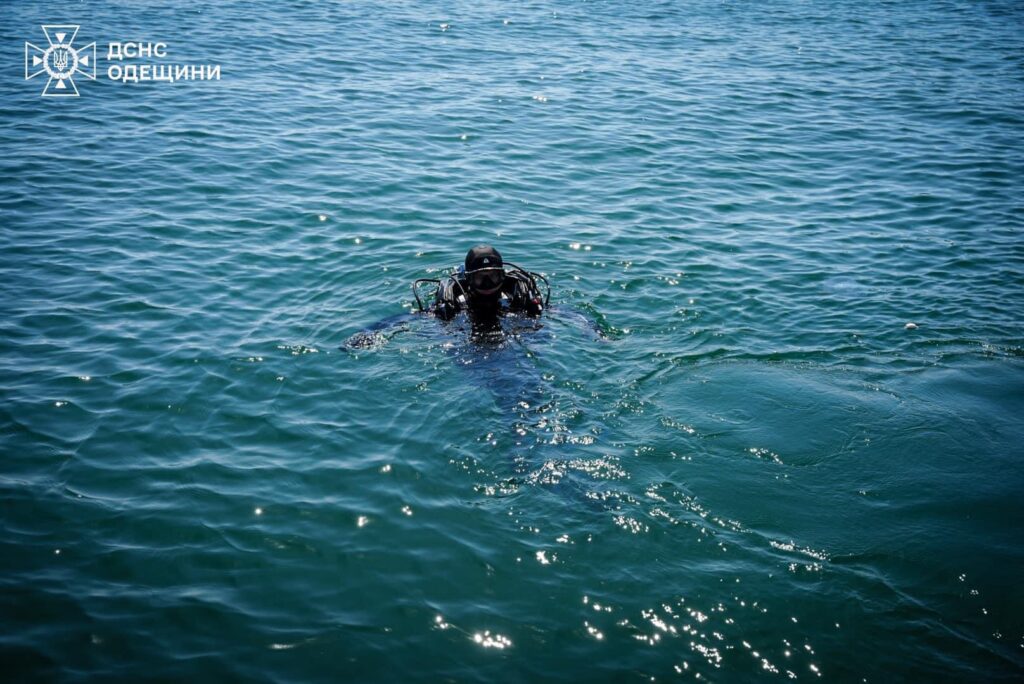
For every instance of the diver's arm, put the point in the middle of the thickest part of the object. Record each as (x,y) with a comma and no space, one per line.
(597,327)
(378,334)
(449,299)
(445,310)
(523,296)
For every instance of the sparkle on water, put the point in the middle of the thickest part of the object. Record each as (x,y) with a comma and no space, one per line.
(770,429)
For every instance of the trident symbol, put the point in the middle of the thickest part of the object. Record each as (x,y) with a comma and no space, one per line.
(60,59)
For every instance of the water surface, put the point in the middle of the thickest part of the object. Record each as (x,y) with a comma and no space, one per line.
(756,472)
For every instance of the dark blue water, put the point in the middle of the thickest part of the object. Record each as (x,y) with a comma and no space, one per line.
(724,455)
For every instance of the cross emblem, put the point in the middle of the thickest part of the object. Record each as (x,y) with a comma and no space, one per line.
(60,61)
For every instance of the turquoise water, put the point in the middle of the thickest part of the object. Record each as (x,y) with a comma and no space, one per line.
(755,471)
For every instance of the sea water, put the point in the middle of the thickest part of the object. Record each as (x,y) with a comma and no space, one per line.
(771,427)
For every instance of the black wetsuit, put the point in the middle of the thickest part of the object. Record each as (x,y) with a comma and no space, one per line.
(518,293)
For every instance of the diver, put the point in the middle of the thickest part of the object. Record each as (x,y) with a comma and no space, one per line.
(486,289)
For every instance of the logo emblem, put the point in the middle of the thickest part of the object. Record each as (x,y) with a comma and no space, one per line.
(60,61)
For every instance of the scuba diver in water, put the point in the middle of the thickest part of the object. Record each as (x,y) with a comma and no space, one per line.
(486,289)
